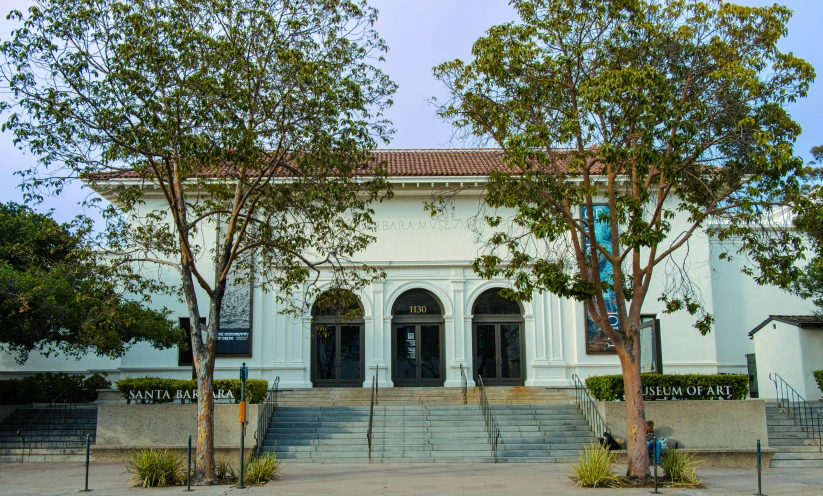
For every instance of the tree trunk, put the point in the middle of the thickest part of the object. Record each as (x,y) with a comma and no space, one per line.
(637,455)
(205,473)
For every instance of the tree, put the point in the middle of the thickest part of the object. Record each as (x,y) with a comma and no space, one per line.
(54,297)
(233,136)
(809,220)
(668,114)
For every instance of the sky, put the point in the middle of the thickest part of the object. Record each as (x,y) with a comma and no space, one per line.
(423,33)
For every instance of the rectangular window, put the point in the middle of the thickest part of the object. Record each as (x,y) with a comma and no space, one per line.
(185,358)
(651,357)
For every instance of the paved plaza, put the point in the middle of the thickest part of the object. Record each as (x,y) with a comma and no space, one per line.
(398,479)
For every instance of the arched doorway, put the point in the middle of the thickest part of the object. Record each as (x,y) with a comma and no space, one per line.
(497,340)
(337,340)
(417,340)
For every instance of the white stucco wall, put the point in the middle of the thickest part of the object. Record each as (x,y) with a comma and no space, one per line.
(742,305)
(811,342)
(417,251)
(778,349)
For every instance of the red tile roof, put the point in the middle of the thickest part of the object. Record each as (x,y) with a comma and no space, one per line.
(406,163)
(445,162)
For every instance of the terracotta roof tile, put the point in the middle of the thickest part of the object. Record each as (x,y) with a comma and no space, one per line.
(405,163)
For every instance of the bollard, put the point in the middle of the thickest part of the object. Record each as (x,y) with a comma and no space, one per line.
(244,374)
(654,459)
(759,472)
(88,459)
(188,472)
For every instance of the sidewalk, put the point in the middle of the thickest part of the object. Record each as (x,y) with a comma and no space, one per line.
(397,479)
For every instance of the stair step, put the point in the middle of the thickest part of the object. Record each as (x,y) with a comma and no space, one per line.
(796,464)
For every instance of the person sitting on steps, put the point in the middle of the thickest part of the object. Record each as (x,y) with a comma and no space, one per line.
(652,444)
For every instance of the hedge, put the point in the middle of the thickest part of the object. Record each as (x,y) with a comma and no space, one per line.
(133,389)
(818,376)
(610,387)
(46,386)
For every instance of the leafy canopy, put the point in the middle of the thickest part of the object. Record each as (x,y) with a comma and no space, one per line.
(252,118)
(55,298)
(670,113)
(809,220)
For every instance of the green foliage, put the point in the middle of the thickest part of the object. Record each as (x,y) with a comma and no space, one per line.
(156,468)
(680,467)
(46,386)
(610,387)
(54,297)
(261,469)
(818,376)
(249,119)
(256,389)
(224,469)
(808,212)
(671,113)
(595,467)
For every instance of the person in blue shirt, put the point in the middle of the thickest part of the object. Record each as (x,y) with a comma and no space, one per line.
(652,444)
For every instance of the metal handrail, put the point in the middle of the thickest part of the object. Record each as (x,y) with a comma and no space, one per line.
(370,431)
(64,410)
(588,406)
(465,384)
(798,408)
(488,417)
(269,407)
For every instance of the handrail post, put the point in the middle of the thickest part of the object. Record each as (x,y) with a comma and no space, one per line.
(369,432)
(797,407)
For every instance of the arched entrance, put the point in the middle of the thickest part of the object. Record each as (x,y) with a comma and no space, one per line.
(497,340)
(337,340)
(417,340)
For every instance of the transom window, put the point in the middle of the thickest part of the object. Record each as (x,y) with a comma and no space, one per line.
(416,302)
(491,303)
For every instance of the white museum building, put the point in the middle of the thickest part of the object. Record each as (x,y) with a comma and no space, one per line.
(432,314)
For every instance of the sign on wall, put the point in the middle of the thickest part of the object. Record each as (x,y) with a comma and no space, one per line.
(234,335)
(596,340)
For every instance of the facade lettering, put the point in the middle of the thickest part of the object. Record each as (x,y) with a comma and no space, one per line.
(180,394)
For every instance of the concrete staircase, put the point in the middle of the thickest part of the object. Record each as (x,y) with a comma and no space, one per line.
(795,447)
(541,433)
(426,425)
(516,395)
(52,437)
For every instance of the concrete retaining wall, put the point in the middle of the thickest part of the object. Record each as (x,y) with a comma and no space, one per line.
(705,425)
(168,426)
(6,410)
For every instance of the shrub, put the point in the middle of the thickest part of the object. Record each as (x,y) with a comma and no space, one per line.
(818,376)
(255,388)
(261,469)
(46,386)
(156,468)
(610,387)
(595,467)
(226,472)
(680,467)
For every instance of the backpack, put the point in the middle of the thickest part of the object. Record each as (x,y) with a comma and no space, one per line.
(608,442)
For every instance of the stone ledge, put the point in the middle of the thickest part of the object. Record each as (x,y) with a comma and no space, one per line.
(716,457)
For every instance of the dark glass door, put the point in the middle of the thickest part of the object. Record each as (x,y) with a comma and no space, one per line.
(338,357)
(498,354)
(417,356)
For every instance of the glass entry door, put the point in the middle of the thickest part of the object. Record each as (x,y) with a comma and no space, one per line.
(338,356)
(417,355)
(498,354)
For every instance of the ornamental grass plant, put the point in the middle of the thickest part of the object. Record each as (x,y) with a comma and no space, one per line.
(595,468)
(225,470)
(156,468)
(261,469)
(680,468)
